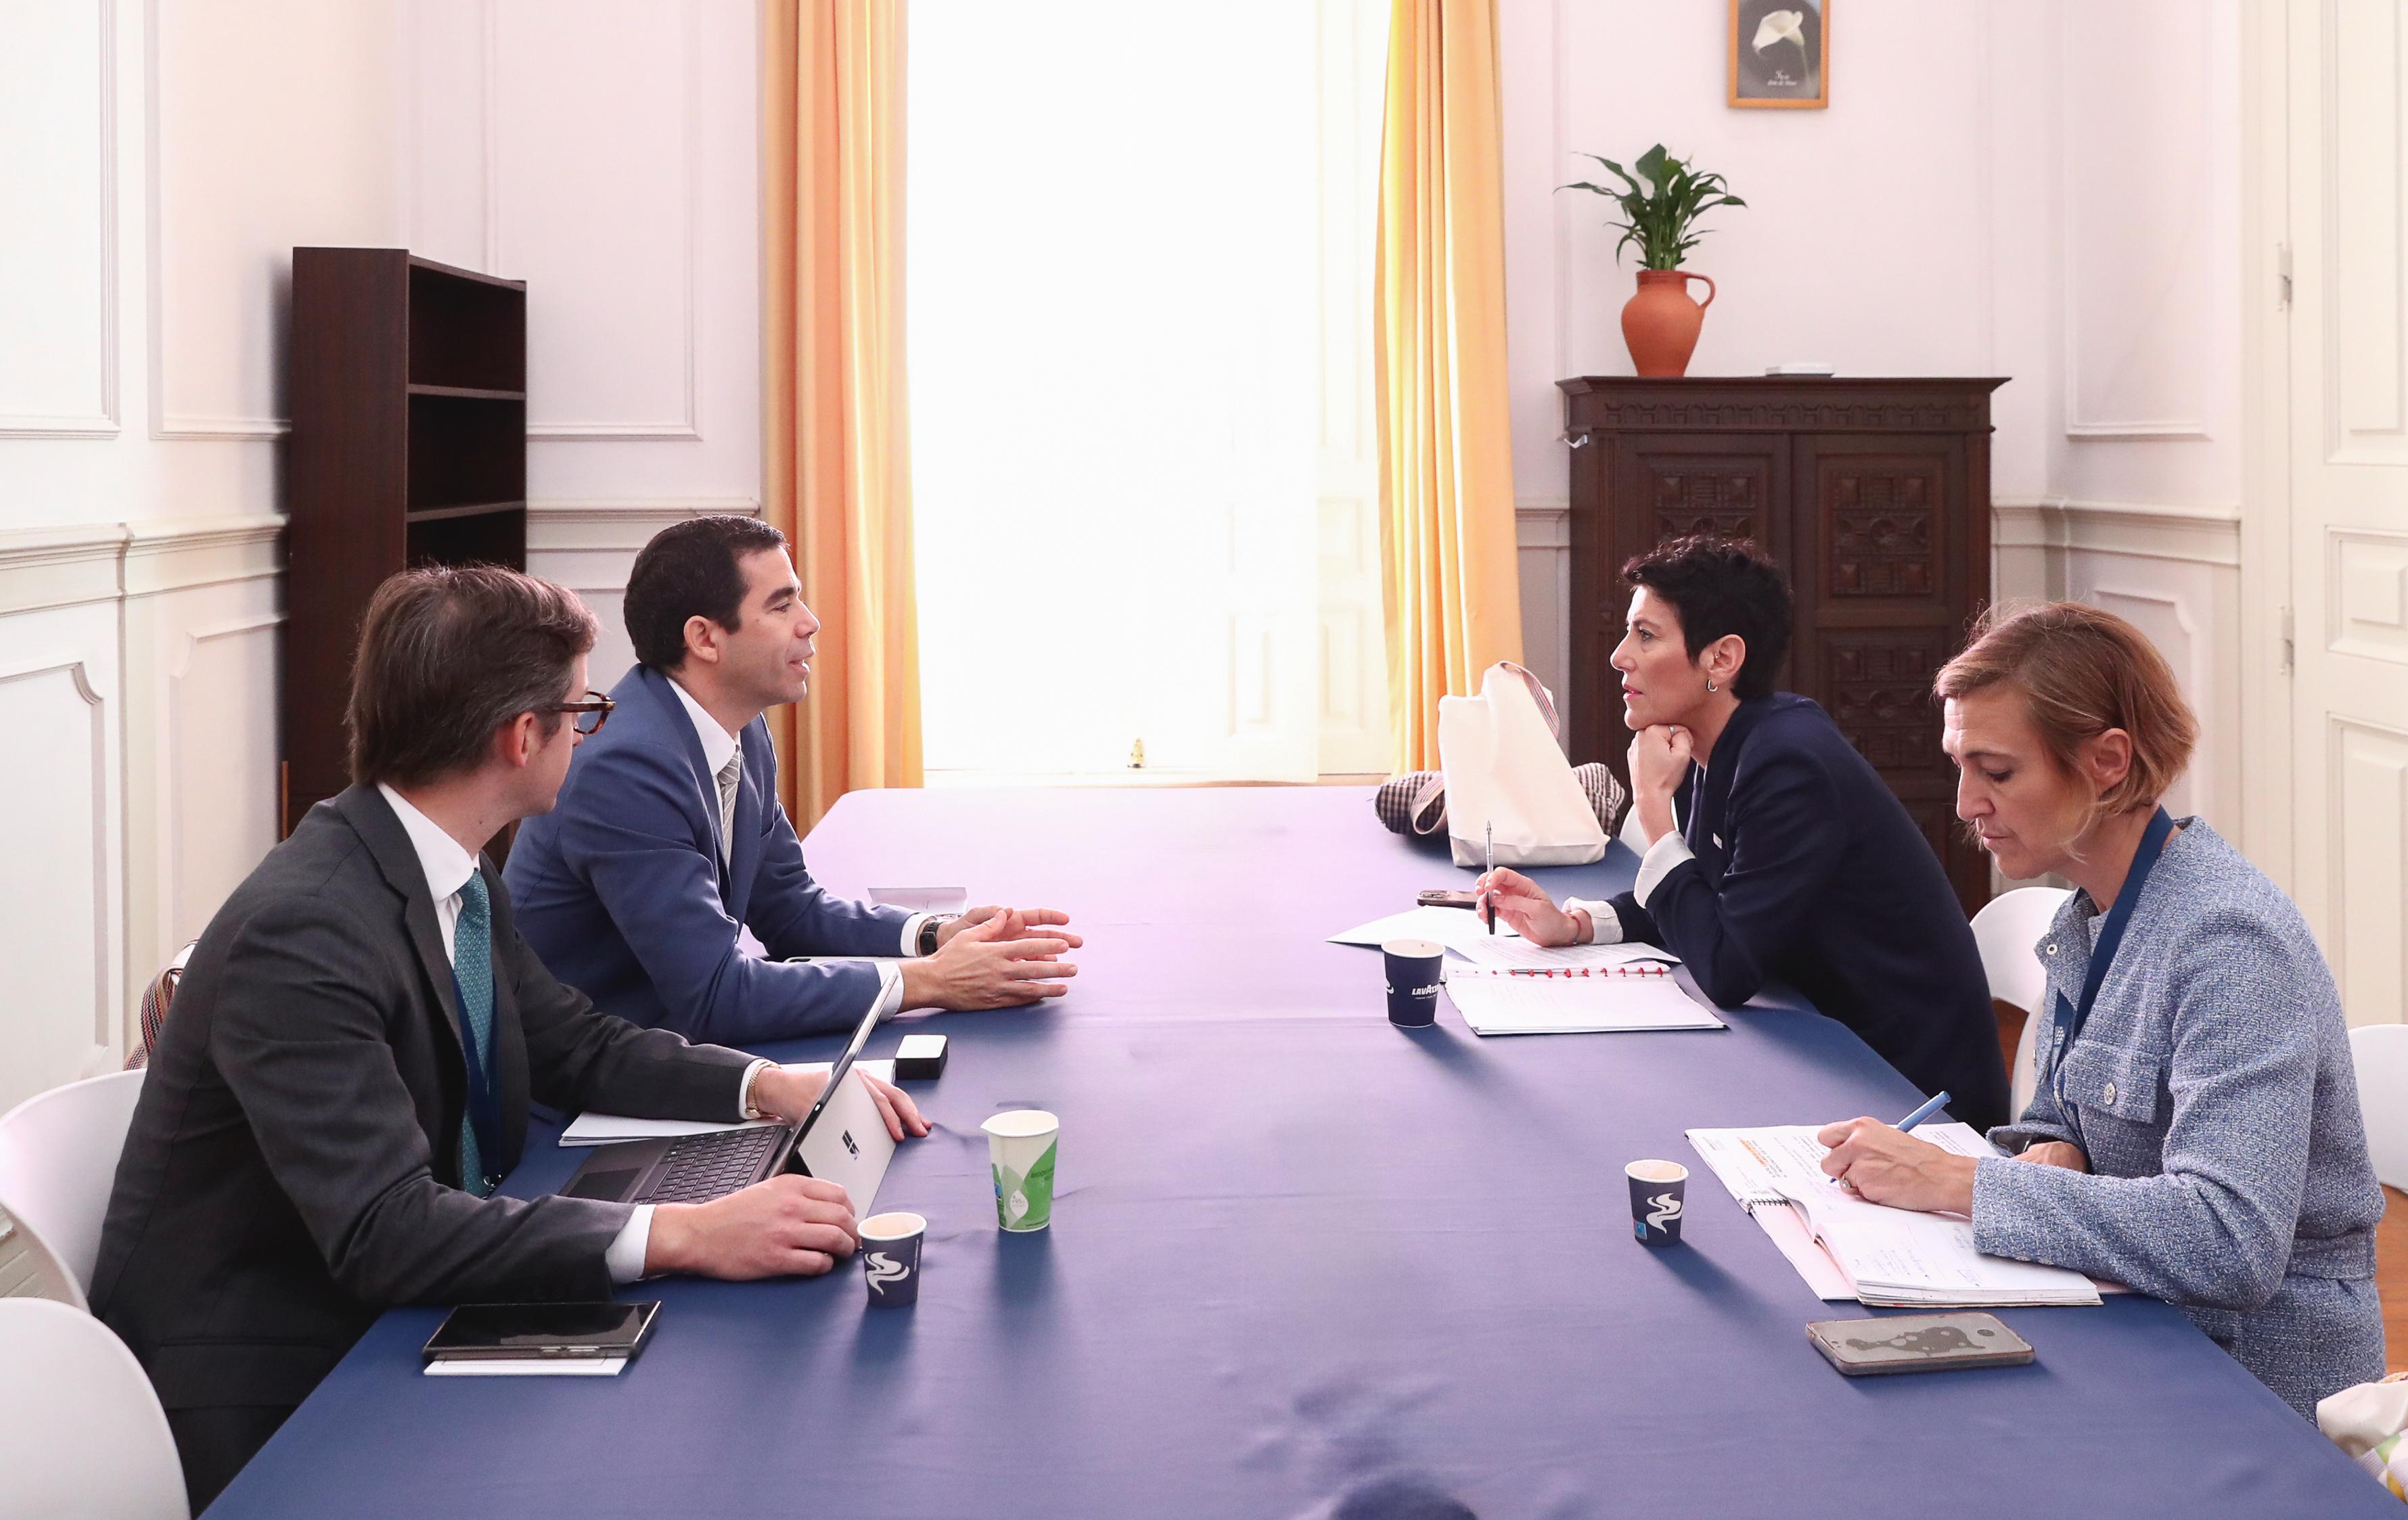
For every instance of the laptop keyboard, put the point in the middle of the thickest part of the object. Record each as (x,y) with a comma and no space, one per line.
(700,1167)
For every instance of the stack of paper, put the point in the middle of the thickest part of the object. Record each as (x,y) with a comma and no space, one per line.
(1886,1258)
(1504,1000)
(1450,926)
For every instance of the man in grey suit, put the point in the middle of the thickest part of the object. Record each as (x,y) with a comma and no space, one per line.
(345,1075)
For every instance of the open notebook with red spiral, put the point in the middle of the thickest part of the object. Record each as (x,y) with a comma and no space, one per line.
(1573,999)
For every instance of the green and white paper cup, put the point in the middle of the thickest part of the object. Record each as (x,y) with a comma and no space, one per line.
(1020,1147)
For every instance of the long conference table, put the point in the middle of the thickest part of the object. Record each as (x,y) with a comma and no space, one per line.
(1303,1263)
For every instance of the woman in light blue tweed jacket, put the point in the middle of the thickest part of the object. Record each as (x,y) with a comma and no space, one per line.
(2198,1139)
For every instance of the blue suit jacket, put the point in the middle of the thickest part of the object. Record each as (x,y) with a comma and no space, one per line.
(621,891)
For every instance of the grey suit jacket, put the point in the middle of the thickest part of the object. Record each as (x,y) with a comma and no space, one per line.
(294,1162)
(2213,1090)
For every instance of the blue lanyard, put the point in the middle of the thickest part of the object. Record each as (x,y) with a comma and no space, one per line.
(2069,1019)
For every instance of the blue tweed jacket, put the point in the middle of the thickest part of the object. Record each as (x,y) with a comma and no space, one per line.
(2212,1090)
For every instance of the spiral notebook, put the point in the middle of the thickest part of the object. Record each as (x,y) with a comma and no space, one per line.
(1573,999)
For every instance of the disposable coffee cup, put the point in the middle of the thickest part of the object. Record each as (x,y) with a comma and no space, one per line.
(1415,977)
(1020,1148)
(1656,1191)
(890,1257)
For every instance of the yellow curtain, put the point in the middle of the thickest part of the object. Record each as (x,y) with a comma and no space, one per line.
(1453,597)
(838,442)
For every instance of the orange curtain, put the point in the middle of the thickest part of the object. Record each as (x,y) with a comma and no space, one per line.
(837,433)
(1452,590)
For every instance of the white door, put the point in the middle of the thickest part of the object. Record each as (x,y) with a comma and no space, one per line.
(2348,448)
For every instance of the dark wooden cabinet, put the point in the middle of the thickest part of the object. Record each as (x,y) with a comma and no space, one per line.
(1874,496)
(408,384)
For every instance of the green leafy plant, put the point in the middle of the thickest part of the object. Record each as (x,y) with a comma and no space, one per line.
(1661,198)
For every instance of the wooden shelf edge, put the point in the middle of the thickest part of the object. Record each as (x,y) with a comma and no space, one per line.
(473,508)
(470,275)
(466,393)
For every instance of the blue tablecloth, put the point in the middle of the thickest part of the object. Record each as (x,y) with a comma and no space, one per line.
(1303,1263)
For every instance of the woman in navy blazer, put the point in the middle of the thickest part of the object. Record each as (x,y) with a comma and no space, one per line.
(1775,850)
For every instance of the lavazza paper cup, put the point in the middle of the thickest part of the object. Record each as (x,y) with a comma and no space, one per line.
(1020,1146)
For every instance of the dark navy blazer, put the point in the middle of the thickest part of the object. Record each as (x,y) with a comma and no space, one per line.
(621,891)
(1808,869)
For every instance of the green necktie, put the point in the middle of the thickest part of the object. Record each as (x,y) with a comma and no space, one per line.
(472,974)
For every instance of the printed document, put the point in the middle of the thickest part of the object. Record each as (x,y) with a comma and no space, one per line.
(1449,926)
(1893,1257)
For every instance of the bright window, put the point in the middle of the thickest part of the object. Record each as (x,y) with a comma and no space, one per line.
(1117,293)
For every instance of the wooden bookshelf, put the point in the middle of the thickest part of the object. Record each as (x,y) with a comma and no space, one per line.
(408,384)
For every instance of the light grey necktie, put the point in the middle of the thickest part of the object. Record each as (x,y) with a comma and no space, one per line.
(729,774)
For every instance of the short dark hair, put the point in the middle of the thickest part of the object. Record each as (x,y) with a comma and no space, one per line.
(1722,586)
(691,569)
(449,654)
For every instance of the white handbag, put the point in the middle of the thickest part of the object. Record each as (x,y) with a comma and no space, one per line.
(1505,770)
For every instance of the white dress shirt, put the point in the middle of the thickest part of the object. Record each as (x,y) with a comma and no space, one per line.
(718,746)
(447,868)
(1605,924)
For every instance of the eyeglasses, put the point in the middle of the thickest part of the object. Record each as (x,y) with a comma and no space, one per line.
(590,714)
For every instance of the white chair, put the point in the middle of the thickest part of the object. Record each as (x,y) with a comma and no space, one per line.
(58,1162)
(2006,931)
(81,1433)
(29,1269)
(2380,1052)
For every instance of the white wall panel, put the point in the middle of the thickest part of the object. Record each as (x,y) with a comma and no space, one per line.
(274,123)
(2138,236)
(59,921)
(58,208)
(592,106)
(2367,340)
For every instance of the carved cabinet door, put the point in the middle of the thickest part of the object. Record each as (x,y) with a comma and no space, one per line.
(1661,486)
(1884,574)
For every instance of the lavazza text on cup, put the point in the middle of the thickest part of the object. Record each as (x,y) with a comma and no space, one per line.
(1416,970)
(1019,1145)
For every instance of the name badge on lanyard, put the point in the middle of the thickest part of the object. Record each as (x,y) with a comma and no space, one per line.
(2069,1017)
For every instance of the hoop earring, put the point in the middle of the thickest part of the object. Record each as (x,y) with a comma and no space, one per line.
(1710,683)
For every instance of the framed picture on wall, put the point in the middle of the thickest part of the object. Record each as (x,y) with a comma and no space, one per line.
(1781,53)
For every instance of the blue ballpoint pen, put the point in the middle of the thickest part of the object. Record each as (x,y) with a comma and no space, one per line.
(1922,1114)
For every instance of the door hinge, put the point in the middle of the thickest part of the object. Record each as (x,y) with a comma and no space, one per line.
(2283,275)
(2291,646)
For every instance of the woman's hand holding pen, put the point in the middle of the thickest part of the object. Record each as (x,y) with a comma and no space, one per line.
(1529,910)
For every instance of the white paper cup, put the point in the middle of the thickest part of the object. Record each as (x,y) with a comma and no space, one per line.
(1019,1145)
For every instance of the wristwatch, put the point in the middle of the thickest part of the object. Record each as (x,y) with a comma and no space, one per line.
(928,927)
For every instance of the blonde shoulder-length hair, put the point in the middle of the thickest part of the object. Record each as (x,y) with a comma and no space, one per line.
(2082,673)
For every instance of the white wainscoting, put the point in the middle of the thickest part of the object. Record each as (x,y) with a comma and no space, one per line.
(1543,545)
(137,729)
(2173,572)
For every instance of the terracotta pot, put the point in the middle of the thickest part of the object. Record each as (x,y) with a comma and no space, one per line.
(1660,322)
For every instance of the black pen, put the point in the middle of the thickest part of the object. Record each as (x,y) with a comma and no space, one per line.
(1488,899)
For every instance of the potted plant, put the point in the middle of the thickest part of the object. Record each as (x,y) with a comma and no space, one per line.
(1660,199)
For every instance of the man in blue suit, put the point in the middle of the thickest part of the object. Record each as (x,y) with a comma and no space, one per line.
(669,839)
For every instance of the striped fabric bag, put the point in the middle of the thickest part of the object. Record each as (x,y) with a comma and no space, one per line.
(1416,802)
